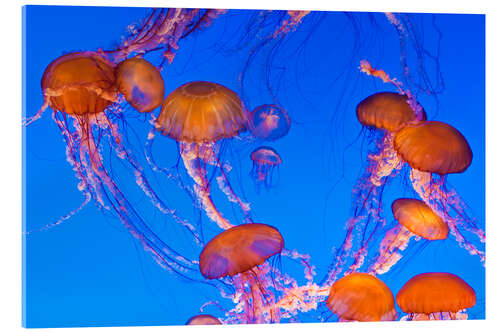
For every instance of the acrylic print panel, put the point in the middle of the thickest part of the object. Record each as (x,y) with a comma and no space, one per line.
(252,166)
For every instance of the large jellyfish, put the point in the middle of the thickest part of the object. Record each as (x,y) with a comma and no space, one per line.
(433,150)
(237,253)
(263,293)
(265,159)
(197,115)
(416,219)
(361,297)
(436,296)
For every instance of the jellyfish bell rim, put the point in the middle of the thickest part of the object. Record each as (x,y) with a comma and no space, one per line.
(228,233)
(178,134)
(400,203)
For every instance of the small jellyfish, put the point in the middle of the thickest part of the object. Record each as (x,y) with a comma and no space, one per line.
(265,160)
(141,83)
(239,253)
(269,122)
(416,219)
(203,319)
(436,296)
(361,297)
(434,149)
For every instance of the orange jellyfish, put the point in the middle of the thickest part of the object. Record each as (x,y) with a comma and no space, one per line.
(140,83)
(80,88)
(269,122)
(265,160)
(384,113)
(203,319)
(415,219)
(385,110)
(241,253)
(361,297)
(434,149)
(198,115)
(436,296)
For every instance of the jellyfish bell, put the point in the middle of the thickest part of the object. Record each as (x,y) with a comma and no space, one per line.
(266,155)
(269,122)
(419,218)
(386,110)
(361,297)
(239,249)
(203,319)
(79,83)
(264,159)
(141,84)
(436,295)
(201,111)
(415,219)
(434,147)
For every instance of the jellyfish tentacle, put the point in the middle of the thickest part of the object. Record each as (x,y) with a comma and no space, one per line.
(227,189)
(193,155)
(431,193)
(395,240)
(125,154)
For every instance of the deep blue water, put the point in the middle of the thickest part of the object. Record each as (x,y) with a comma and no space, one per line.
(89,271)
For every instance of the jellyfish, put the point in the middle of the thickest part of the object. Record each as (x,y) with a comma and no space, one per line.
(265,159)
(239,253)
(434,149)
(436,296)
(197,115)
(141,83)
(81,90)
(361,297)
(269,122)
(416,219)
(203,319)
(384,113)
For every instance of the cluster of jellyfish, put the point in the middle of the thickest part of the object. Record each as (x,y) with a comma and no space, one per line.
(85,89)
